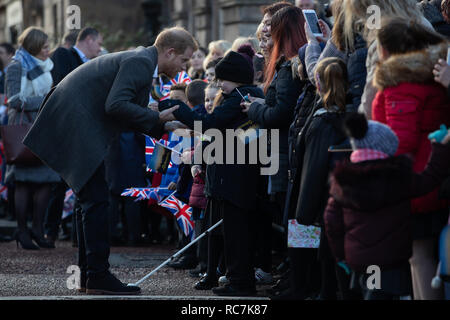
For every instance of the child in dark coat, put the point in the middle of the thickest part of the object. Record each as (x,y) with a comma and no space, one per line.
(368,216)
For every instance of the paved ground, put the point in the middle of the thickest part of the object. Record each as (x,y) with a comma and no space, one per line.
(43,273)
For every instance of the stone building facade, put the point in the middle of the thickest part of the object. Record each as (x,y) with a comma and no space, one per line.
(134,22)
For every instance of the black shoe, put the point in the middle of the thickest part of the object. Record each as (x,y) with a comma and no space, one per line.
(43,243)
(109,285)
(232,291)
(24,238)
(197,272)
(185,262)
(5,238)
(206,283)
(83,280)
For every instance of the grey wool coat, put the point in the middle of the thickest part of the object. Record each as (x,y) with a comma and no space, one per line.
(35,174)
(88,109)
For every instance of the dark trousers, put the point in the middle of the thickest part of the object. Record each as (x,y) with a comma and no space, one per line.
(215,245)
(304,273)
(239,237)
(93,225)
(264,237)
(55,209)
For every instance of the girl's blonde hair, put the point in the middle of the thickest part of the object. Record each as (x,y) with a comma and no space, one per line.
(356,16)
(219,98)
(332,82)
(219,45)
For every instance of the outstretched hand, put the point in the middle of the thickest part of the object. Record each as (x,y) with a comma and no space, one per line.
(167,115)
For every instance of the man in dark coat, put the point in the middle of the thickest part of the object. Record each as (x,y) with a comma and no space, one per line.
(86,47)
(80,118)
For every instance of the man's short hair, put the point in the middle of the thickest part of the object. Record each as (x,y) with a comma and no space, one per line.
(70,37)
(177,38)
(8,47)
(179,87)
(86,32)
(195,92)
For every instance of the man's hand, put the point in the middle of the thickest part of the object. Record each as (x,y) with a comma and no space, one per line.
(178,128)
(172,186)
(442,73)
(167,115)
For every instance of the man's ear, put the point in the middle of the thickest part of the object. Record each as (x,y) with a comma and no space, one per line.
(169,53)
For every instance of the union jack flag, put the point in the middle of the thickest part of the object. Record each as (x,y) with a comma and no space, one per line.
(183,214)
(143,193)
(69,202)
(139,193)
(181,77)
(150,144)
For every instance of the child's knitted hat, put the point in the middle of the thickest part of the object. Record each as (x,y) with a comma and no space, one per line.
(237,66)
(370,134)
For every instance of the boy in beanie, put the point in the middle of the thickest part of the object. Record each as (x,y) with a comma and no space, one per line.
(368,216)
(231,189)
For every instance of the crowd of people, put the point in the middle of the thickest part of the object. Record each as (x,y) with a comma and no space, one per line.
(354,108)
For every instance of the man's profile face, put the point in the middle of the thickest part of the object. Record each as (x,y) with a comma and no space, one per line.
(177,62)
(95,46)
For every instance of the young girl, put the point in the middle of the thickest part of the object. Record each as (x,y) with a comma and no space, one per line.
(322,130)
(232,188)
(368,217)
(412,104)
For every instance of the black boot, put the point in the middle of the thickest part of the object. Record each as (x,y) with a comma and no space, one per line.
(43,243)
(109,285)
(24,238)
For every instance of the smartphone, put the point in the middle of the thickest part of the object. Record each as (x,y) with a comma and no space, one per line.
(448,55)
(313,22)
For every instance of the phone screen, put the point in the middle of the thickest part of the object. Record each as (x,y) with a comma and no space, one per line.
(448,55)
(313,22)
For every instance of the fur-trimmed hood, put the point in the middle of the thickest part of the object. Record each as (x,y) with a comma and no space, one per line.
(413,67)
(371,185)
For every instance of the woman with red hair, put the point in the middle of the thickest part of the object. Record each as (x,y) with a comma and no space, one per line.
(281,90)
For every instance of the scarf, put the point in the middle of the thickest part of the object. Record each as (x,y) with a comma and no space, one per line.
(36,78)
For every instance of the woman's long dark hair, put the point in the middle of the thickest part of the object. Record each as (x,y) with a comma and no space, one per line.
(288,35)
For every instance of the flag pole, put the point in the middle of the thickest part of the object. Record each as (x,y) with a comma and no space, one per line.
(177,254)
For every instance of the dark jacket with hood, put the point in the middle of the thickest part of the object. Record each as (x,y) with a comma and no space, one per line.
(368,216)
